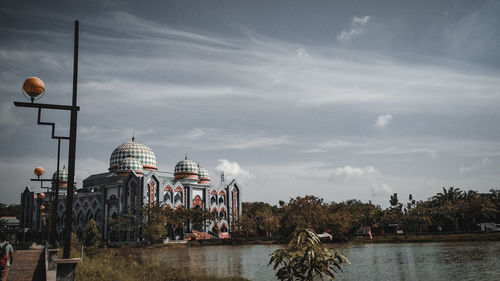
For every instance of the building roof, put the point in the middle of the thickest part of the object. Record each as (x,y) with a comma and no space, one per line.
(98,179)
(10,221)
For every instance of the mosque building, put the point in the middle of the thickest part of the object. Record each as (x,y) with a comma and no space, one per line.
(132,182)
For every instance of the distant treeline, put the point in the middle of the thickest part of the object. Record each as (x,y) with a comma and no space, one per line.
(452,210)
(11,210)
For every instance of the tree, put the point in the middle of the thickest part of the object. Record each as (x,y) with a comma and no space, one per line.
(248,225)
(92,235)
(306,258)
(11,210)
(308,212)
(449,195)
(259,218)
(198,217)
(3,225)
(156,221)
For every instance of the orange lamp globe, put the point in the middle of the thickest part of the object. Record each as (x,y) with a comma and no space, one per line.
(42,214)
(41,195)
(42,207)
(39,171)
(33,86)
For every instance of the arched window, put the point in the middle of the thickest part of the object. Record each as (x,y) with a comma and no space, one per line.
(222,214)
(81,218)
(223,227)
(90,216)
(178,197)
(221,200)
(98,215)
(167,197)
(132,195)
(213,200)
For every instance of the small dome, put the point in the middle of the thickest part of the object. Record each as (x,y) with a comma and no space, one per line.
(133,149)
(129,164)
(203,176)
(63,177)
(186,169)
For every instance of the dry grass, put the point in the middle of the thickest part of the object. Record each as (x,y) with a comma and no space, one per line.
(110,265)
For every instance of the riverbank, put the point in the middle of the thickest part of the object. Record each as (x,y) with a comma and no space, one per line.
(443,237)
(388,238)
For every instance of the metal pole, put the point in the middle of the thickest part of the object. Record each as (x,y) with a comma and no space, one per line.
(55,199)
(71,154)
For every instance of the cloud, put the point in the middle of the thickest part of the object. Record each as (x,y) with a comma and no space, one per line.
(485,162)
(349,172)
(9,120)
(357,27)
(233,170)
(381,190)
(401,151)
(301,52)
(196,133)
(383,120)
(213,139)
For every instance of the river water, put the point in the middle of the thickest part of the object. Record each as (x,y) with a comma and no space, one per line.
(409,261)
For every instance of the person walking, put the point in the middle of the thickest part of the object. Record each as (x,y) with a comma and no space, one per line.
(6,256)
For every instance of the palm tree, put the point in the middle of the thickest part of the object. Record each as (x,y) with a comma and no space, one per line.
(451,195)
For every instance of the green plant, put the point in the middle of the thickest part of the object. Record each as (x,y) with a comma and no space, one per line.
(305,258)
(92,235)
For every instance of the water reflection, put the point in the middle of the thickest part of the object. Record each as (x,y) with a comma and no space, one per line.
(413,261)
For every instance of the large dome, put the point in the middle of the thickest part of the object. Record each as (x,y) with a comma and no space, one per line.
(186,169)
(127,165)
(133,149)
(130,164)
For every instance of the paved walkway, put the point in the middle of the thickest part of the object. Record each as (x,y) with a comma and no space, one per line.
(27,266)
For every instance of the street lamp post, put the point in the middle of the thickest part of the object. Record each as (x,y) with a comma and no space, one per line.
(34,87)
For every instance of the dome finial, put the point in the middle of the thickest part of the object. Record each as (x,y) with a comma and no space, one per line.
(133,135)
(186,157)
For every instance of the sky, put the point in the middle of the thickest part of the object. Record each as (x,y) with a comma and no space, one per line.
(337,99)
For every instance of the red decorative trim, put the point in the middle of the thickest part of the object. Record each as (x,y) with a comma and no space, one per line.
(168,187)
(151,192)
(222,192)
(197,201)
(213,192)
(149,167)
(178,188)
